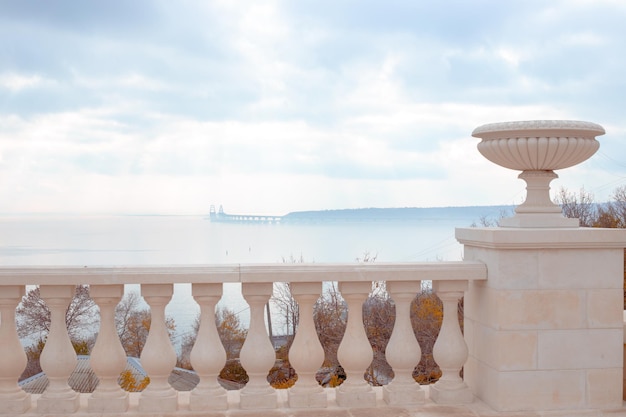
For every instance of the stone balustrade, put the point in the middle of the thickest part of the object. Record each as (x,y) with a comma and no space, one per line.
(57,284)
(543,332)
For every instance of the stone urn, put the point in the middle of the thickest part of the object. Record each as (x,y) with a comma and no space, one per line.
(537,148)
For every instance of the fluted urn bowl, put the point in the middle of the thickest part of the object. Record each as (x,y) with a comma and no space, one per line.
(537,148)
(543,145)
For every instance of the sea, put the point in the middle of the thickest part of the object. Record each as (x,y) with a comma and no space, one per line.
(64,240)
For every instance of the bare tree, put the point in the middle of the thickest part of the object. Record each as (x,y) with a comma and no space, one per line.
(133,324)
(619,205)
(613,213)
(330,316)
(367,257)
(124,310)
(379,318)
(33,315)
(136,332)
(188,341)
(581,207)
(231,332)
(287,306)
(488,221)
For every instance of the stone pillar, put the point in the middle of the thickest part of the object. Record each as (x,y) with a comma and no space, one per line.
(306,354)
(257,353)
(158,357)
(545,329)
(355,352)
(403,351)
(108,358)
(58,358)
(13,400)
(208,355)
(450,350)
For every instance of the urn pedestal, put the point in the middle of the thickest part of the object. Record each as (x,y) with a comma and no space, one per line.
(537,148)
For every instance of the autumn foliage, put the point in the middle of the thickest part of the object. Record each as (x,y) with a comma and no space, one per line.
(128,382)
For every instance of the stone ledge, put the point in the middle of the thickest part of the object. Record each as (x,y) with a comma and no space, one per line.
(541,238)
(428,409)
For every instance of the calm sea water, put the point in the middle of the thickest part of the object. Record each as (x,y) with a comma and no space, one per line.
(171,240)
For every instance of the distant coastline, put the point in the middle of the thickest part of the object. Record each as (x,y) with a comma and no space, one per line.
(472,213)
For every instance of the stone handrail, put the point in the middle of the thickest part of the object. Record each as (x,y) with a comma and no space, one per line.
(450,280)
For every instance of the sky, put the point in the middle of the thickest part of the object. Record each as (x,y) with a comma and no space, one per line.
(268,107)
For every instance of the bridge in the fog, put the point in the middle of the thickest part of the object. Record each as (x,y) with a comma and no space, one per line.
(219,216)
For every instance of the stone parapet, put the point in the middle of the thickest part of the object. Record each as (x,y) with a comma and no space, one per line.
(545,331)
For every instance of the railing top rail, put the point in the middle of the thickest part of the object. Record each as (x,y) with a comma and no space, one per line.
(297,272)
(422,271)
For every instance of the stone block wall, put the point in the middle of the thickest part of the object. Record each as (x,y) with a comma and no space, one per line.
(545,331)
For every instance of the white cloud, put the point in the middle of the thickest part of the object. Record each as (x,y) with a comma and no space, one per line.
(282,106)
(15,82)
(510,55)
(584,39)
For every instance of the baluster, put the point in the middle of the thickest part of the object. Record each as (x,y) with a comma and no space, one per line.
(108,358)
(306,354)
(450,350)
(13,400)
(58,358)
(158,357)
(403,351)
(355,352)
(208,355)
(257,353)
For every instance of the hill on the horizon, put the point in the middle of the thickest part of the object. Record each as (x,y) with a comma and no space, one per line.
(400,214)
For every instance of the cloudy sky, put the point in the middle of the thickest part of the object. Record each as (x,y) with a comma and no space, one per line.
(273,106)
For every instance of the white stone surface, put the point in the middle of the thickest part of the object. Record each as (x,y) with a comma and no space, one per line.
(591,268)
(257,354)
(544,331)
(158,357)
(58,358)
(355,353)
(12,356)
(403,352)
(532,390)
(604,388)
(507,350)
(538,145)
(450,350)
(208,355)
(108,358)
(604,308)
(427,409)
(580,349)
(306,354)
(253,273)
